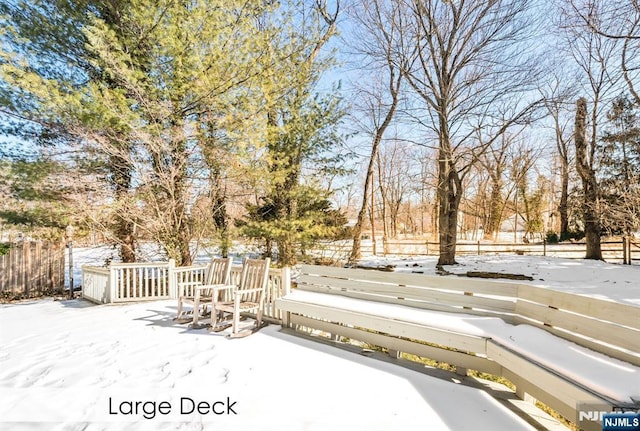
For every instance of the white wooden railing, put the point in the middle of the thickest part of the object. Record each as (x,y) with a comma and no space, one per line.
(95,284)
(132,282)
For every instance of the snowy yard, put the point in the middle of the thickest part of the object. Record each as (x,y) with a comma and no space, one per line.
(69,364)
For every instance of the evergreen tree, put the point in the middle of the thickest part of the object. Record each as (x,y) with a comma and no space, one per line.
(301,129)
(44,59)
(620,168)
(34,199)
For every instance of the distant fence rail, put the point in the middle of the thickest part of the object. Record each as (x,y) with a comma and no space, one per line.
(32,267)
(129,282)
(624,250)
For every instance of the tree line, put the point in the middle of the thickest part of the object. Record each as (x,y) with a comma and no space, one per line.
(177,121)
(160,117)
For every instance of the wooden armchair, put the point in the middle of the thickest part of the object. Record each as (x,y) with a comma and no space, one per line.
(199,293)
(248,297)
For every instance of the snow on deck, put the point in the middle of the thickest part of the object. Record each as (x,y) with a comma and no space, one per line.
(62,363)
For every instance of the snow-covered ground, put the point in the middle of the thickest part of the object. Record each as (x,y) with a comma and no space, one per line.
(68,365)
(71,365)
(615,282)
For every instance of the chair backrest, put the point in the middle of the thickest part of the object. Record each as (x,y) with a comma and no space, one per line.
(255,275)
(219,271)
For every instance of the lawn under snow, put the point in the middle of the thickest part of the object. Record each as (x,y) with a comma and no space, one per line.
(614,282)
(67,364)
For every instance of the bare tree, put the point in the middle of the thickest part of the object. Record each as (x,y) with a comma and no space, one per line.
(616,20)
(495,164)
(393,182)
(593,55)
(556,94)
(585,165)
(466,61)
(379,28)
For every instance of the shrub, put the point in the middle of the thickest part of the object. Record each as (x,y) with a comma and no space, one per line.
(552,237)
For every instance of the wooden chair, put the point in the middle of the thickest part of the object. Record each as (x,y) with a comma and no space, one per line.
(248,296)
(199,293)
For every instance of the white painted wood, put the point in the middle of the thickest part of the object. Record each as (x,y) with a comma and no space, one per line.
(113,285)
(248,296)
(473,362)
(95,284)
(199,293)
(420,295)
(450,308)
(615,312)
(551,389)
(603,326)
(590,343)
(597,329)
(562,389)
(397,328)
(419,280)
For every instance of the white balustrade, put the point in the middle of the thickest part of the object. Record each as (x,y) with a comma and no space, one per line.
(130,282)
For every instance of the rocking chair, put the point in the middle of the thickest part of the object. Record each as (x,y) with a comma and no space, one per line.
(248,297)
(199,293)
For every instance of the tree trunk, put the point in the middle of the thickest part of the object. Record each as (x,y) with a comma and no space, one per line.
(495,208)
(448,229)
(219,208)
(121,169)
(356,252)
(563,208)
(449,196)
(589,184)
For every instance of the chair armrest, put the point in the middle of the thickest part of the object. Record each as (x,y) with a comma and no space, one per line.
(243,291)
(216,287)
(189,283)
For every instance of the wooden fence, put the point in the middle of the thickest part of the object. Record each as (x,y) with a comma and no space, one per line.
(625,250)
(32,268)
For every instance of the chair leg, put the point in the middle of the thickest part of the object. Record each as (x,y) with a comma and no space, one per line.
(236,322)
(214,316)
(179,308)
(258,319)
(196,310)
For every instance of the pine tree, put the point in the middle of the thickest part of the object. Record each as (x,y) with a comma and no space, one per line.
(620,168)
(43,60)
(301,128)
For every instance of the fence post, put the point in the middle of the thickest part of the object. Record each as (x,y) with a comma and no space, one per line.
(113,279)
(478,247)
(286,288)
(69,236)
(173,284)
(26,267)
(13,267)
(286,280)
(627,242)
(544,246)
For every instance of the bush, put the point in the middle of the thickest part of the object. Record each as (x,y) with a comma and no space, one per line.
(552,237)
(4,248)
(576,235)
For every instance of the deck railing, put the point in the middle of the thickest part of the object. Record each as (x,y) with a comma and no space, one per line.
(131,282)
